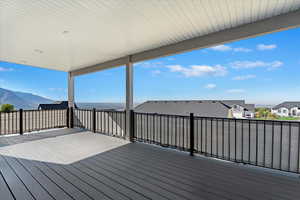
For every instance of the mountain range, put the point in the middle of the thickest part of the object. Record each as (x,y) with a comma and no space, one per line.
(21,99)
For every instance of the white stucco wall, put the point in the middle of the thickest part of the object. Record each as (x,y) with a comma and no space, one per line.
(239,112)
(283,112)
(295,112)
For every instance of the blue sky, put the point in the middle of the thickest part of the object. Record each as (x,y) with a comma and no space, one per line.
(261,70)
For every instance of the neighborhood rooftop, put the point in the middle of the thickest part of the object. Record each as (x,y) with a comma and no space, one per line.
(204,108)
(288,105)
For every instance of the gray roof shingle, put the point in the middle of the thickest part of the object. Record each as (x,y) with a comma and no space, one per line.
(204,108)
(288,105)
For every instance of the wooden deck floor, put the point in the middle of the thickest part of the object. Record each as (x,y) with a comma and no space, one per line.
(93,166)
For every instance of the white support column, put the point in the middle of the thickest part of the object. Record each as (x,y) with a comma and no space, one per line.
(129,94)
(70,90)
(70,100)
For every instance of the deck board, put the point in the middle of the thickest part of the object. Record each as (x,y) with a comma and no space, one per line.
(66,186)
(85,187)
(4,190)
(51,187)
(110,168)
(18,188)
(33,186)
(208,178)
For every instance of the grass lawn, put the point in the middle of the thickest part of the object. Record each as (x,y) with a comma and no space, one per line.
(288,118)
(281,118)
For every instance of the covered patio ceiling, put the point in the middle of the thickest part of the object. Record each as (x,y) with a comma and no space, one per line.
(85,36)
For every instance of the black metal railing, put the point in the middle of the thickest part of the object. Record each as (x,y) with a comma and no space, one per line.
(165,130)
(111,123)
(21,121)
(264,143)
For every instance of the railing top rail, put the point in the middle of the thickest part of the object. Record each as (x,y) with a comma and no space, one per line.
(222,118)
(100,110)
(160,114)
(41,110)
(13,111)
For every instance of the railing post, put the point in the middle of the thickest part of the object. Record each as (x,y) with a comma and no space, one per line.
(71,118)
(131,126)
(192,134)
(68,118)
(94,120)
(21,121)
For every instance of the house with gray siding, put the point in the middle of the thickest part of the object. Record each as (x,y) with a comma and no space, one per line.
(287,109)
(203,108)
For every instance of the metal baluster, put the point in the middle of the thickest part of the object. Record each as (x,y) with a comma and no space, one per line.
(168,134)
(272,156)
(217,137)
(223,139)
(242,142)
(289,151)
(176,135)
(256,148)
(280,155)
(183,134)
(147,127)
(206,136)
(249,142)
(201,135)
(229,156)
(235,140)
(264,156)
(160,136)
(153,128)
(197,134)
(211,136)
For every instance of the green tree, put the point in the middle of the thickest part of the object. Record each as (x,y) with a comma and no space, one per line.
(262,112)
(7,108)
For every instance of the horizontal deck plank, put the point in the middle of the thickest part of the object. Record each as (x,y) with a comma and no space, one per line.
(5,192)
(110,169)
(37,190)
(51,187)
(218,181)
(18,188)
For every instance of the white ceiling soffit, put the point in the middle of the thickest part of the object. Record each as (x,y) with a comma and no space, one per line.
(71,35)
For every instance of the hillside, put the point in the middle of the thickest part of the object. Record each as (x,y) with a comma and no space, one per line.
(21,99)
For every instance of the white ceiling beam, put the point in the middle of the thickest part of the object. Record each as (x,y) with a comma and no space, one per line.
(273,24)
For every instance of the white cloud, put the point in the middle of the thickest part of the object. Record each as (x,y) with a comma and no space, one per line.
(263,47)
(256,64)
(221,48)
(4,69)
(236,91)
(241,49)
(210,86)
(199,70)
(244,77)
(229,48)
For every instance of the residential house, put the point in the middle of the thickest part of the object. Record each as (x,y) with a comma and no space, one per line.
(57,105)
(286,109)
(204,108)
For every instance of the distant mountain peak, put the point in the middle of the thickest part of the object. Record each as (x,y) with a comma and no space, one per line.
(22,99)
